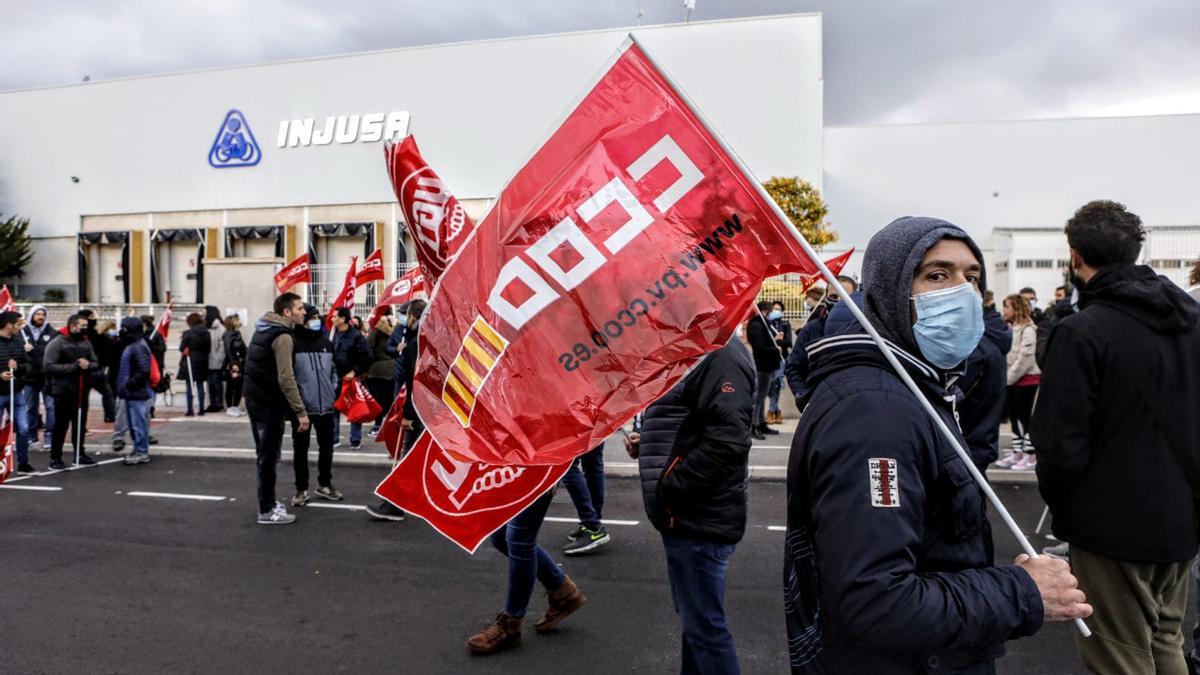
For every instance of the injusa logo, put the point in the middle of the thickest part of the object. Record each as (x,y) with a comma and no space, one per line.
(613,329)
(235,144)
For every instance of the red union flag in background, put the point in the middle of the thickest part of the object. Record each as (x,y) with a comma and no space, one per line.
(438,223)
(345,297)
(6,300)
(8,461)
(623,251)
(463,499)
(164,321)
(403,290)
(835,265)
(371,269)
(297,271)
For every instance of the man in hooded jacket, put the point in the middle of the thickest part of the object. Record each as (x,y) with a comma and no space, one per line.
(1118,439)
(887,565)
(133,387)
(38,333)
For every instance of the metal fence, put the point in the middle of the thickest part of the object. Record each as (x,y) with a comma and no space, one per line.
(327,282)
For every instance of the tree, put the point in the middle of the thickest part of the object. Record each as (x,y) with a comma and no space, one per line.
(15,250)
(804,207)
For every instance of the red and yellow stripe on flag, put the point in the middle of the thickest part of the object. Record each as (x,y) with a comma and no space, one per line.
(480,352)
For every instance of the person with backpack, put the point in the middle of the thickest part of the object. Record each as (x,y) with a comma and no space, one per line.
(235,364)
(1118,442)
(134,377)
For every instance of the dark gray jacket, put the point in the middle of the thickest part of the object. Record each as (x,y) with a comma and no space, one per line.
(315,372)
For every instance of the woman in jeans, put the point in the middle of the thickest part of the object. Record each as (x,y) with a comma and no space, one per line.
(1024,376)
(528,563)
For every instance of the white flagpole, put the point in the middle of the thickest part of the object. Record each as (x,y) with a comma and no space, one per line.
(79,418)
(192,383)
(831,278)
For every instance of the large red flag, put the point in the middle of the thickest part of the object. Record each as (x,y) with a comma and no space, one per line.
(438,223)
(345,297)
(463,499)
(164,321)
(391,432)
(297,271)
(6,300)
(371,269)
(626,249)
(8,461)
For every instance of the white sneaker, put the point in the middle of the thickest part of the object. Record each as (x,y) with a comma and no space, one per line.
(232,411)
(1018,443)
(1027,463)
(276,516)
(1012,458)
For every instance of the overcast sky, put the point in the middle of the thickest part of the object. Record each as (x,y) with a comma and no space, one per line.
(885,61)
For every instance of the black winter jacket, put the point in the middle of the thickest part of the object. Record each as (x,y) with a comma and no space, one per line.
(351,352)
(408,366)
(1117,409)
(762,342)
(61,364)
(198,343)
(888,558)
(983,386)
(694,449)
(13,348)
(820,325)
(36,375)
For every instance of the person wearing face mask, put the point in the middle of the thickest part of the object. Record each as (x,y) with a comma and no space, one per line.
(888,564)
(1118,439)
(69,362)
(1035,312)
(317,380)
(828,318)
(767,360)
(782,329)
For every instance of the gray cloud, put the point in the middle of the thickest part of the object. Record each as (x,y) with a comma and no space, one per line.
(897,61)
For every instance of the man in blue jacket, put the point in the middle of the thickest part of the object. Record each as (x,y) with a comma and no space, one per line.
(352,357)
(133,387)
(887,564)
(827,318)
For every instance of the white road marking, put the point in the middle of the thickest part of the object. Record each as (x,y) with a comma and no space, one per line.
(175,495)
(344,507)
(250,451)
(770,447)
(629,523)
(776,528)
(210,418)
(45,488)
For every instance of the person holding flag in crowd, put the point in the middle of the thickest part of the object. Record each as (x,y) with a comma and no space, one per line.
(69,363)
(38,333)
(352,358)
(194,348)
(14,368)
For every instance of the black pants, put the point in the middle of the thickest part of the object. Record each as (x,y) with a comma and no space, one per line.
(323,425)
(381,391)
(1020,408)
(107,400)
(66,413)
(267,428)
(233,392)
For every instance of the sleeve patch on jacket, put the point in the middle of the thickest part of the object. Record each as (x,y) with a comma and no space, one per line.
(728,388)
(885,483)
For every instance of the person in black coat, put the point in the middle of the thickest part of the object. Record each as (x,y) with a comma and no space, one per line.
(830,317)
(352,358)
(195,345)
(692,453)
(1118,439)
(983,386)
(38,333)
(69,363)
(767,360)
(14,369)
(887,562)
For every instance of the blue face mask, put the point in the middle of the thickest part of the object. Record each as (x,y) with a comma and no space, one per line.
(315,324)
(403,321)
(774,315)
(949,324)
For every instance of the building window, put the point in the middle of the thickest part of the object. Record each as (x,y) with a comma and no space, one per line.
(1002,266)
(1024,264)
(1064,264)
(1044,264)
(1168,264)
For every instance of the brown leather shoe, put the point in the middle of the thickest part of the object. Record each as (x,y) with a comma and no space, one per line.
(563,602)
(502,635)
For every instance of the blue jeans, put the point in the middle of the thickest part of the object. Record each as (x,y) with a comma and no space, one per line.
(762,383)
(355,430)
(526,560)
(585,483)
(775,390)
(697,569)
(216,387)
(21,413)
(199,393)
(32,394)
(137,413)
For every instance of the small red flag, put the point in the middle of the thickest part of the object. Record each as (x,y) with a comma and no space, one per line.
(438,223)
(371,269)
(8,461)
(6,300)
(391,432)
(463,499)
(164,321)
(403,290)
(835,265)
(345,297)
(297,271)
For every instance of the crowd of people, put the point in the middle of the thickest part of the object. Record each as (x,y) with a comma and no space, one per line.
(888,555)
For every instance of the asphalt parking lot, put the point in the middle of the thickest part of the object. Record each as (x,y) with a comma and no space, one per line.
(116,569)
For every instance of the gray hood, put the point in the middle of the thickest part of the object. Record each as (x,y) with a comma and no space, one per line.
(34,330)
(889,264)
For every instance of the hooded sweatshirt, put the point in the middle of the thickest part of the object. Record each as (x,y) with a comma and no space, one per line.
(40,338)
(133,373)
(1116,414)
(888,557)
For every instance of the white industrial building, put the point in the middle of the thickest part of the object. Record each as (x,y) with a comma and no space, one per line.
(199,183)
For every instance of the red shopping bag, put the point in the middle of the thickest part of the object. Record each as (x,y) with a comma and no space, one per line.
(356,402)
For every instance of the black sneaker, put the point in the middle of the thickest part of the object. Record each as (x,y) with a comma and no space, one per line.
(153,441)
(576,533)
(26,468)
(354,447)
(85,459)
(385,511)
(329,492)
(56,465)
(588,541)
(756,434)
(768,431)
(118,445)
